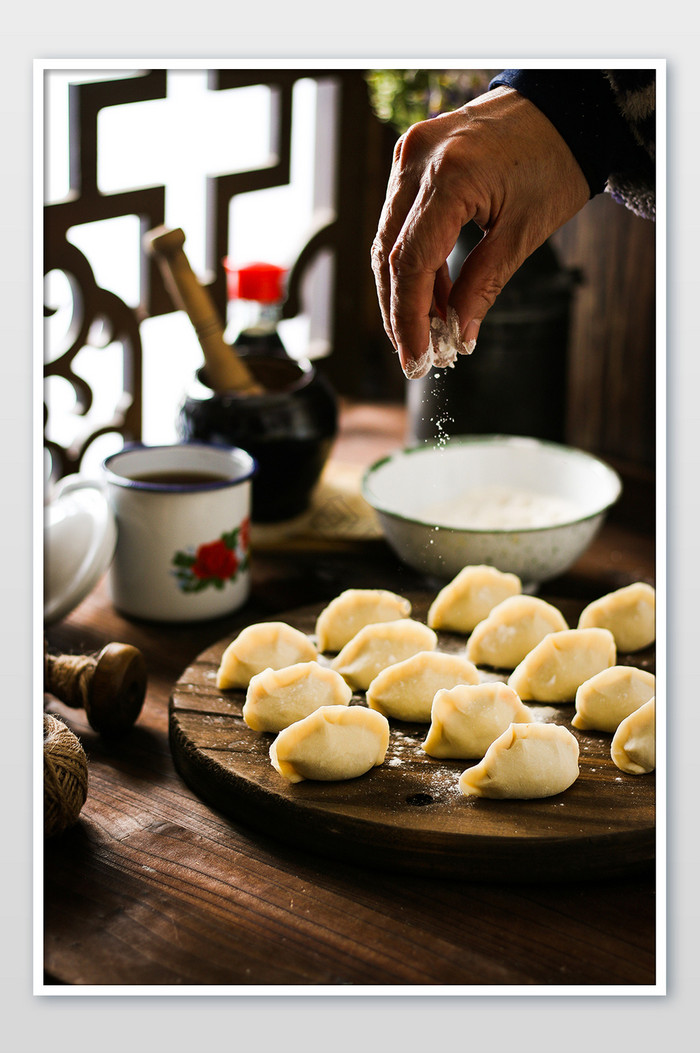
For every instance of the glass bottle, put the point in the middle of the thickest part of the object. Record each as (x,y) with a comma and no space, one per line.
(258,290)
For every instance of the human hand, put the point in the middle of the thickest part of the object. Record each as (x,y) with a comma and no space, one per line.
(498,161)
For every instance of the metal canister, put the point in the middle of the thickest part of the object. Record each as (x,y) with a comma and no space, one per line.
(515,382)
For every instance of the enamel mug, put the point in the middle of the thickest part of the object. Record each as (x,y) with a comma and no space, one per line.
(182,516)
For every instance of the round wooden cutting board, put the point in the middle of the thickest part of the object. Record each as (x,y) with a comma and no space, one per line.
(408,813)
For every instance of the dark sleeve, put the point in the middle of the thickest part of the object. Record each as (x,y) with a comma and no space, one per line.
(607,118)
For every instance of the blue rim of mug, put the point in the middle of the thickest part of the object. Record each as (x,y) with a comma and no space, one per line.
(176,488)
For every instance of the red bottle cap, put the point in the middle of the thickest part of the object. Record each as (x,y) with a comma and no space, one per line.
(263,282)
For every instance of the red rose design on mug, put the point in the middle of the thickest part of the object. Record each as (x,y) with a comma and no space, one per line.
(213,562)
(244,535)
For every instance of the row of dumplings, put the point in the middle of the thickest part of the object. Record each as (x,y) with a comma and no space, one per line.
(381,650)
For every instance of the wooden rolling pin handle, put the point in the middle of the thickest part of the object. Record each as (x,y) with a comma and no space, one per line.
(224,369)
(110,688)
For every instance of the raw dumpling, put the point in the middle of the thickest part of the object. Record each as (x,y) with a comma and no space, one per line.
(406,689)
(352,610)
(467,719)
(469,597)
(633,748)
(511,631)
(554,669)
(610,696)
(272,645)
(278,697)
(629,613)
(526,761)
(334,742)
(377,646)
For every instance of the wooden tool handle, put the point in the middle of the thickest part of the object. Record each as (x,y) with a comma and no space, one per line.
(110,688)
(225,370)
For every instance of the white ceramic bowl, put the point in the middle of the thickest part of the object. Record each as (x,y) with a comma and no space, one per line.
(407,487)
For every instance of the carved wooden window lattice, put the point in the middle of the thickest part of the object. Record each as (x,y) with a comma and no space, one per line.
(102,317)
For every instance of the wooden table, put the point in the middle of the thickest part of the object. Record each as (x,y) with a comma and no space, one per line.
(154,887)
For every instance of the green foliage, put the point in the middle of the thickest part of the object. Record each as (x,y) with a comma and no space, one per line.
(402,97)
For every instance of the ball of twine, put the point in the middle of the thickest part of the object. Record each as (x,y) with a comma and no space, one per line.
(65,776)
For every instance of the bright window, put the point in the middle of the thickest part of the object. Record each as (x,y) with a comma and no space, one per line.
(177,142)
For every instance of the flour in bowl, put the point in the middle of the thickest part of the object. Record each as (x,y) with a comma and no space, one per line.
(501,508)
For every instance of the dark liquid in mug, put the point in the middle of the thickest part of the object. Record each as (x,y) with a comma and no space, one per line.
(178,477)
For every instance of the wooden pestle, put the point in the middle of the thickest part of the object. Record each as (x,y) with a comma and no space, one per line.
(225,370)
(110,688)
